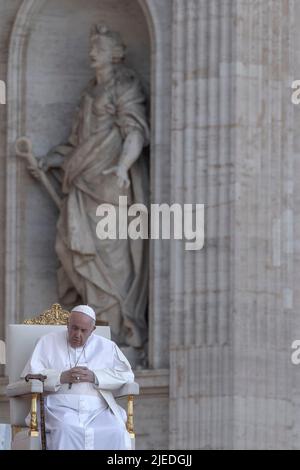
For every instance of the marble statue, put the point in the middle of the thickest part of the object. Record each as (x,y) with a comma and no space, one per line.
(103,160)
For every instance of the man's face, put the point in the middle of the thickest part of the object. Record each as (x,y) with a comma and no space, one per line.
(80,326)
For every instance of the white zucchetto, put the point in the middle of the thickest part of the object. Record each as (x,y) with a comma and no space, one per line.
(86,310)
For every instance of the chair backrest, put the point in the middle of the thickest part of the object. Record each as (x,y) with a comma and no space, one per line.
(21,340)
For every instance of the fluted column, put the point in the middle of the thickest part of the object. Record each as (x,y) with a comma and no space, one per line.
(232,302)
(200,401)
(263,235)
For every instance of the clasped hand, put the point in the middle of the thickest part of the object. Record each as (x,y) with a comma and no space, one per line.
(77,375)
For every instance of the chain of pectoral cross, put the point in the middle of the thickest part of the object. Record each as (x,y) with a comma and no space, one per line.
(70,384)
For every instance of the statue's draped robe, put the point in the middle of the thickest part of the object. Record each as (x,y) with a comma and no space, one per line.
(109,275)
(86,416)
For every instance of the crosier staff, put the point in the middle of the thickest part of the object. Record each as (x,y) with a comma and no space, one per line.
(24,150)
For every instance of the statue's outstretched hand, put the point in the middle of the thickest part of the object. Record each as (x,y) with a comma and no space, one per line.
(43,164)
(122,174)
(34,169)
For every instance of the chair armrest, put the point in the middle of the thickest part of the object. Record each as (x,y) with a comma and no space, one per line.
(132,388)
(22,387)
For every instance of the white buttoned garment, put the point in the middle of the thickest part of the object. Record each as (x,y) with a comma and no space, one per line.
(86,416)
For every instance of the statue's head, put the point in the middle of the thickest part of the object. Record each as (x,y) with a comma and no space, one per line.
(106,46)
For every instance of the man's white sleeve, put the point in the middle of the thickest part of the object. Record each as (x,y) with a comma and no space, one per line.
(116,376)
(38,364)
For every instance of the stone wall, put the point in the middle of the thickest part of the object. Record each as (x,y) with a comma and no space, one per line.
(47,68)
(232,384)
(224,133)
(7,17)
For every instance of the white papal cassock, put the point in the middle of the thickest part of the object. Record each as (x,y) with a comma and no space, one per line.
(87,415)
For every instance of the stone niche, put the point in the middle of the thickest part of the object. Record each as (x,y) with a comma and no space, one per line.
(48,67)
(56,70)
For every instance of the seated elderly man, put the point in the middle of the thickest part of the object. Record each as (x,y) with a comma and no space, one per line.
(82,369)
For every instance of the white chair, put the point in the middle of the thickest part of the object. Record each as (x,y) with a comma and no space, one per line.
(24,395)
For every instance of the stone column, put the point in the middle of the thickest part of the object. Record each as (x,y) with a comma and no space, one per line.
(201,343)
(263,233)
(232,302)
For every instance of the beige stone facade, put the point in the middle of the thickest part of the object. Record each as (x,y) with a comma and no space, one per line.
(224,133)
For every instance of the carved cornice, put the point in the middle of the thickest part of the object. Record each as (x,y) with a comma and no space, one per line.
(54,316)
